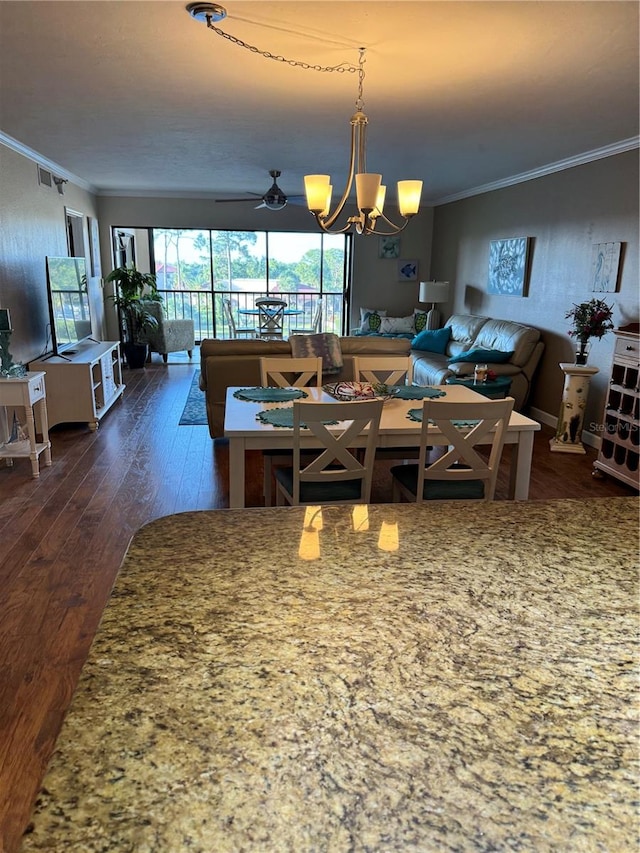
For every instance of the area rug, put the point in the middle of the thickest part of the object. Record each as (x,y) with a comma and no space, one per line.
(195,409)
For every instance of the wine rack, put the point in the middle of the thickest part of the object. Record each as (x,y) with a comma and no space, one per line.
(620,448)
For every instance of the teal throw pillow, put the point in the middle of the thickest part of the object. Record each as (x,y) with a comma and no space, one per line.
(432,340)
(481,356)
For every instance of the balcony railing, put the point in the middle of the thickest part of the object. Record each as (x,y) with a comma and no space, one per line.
(205,309)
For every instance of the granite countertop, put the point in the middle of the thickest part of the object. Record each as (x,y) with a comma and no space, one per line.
(475,689)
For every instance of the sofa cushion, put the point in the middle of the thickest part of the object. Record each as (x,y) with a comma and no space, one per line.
(509,337)
(464,330)
(429,368)
(432,340)
(478,355)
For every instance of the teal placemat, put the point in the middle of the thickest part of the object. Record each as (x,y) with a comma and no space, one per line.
(415,392)
(416,415)
(269,395)
(281,418)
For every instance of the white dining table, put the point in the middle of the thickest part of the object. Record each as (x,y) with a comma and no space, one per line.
(246,432)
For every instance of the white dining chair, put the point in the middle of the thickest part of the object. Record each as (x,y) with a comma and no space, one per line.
(386,370)
(334,473)
(291,372)
(460,473)
(383,369)
(285,373)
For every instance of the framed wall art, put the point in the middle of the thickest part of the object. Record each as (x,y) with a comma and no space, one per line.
(94,247)
(605,262)
(508,265)
(407,270)
(389,247)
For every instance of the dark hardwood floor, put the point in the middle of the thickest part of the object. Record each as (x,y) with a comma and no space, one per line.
(63,538)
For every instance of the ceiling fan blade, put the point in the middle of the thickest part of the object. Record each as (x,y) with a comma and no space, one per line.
(223,200)
(248,193)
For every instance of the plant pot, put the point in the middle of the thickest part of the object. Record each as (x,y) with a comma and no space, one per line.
(136,355)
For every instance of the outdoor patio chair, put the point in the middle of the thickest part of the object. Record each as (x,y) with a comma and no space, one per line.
(236,331)
(316,322)
(271,318)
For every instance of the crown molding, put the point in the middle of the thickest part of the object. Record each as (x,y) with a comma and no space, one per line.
(578,160)
(559,166)
(58,170)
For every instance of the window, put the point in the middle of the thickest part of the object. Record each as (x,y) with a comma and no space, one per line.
(196,268)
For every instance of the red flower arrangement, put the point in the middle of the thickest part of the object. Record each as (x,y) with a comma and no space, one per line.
(590,319)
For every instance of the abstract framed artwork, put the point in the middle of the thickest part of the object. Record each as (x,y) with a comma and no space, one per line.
(508,264)
(407,270)
(605,262)
(389,247)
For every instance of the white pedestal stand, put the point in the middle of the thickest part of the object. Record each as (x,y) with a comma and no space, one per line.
(577,378)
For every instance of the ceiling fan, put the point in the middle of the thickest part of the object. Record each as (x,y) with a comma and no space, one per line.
(274,198)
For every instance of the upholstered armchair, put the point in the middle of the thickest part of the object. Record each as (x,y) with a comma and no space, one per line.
(169,335)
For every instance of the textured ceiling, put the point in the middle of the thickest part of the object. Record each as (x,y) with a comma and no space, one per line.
(140,97)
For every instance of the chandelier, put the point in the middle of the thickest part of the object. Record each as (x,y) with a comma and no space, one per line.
(370,191)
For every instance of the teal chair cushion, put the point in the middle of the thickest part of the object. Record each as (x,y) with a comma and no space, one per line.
(317,493)
(439,490)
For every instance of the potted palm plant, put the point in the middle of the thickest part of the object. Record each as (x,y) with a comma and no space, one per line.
(134,291)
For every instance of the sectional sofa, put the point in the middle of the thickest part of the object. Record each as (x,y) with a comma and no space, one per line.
(508,349)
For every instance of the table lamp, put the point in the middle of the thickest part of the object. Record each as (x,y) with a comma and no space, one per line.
(433,292)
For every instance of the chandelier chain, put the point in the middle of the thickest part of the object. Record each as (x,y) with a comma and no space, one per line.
(341,68)
(361,61)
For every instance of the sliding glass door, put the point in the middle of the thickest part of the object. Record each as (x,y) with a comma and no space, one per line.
(197,268)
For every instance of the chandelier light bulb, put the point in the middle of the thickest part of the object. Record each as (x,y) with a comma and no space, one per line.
(315,187)
(409,193)
(377,211)
(367,186)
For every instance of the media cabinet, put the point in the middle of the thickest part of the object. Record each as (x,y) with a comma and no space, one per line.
(83,383)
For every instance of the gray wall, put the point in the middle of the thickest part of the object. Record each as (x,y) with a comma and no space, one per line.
(564,214)
(32,226)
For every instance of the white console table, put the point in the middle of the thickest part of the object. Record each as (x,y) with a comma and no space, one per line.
(82,383)
(27,392)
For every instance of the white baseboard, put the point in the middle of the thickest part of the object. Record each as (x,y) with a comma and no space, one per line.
(588,438)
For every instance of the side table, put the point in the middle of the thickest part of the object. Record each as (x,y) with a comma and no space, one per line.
(568,437)
(495,389)
(27,392)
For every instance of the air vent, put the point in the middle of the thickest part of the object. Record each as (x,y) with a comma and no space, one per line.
(45,178)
